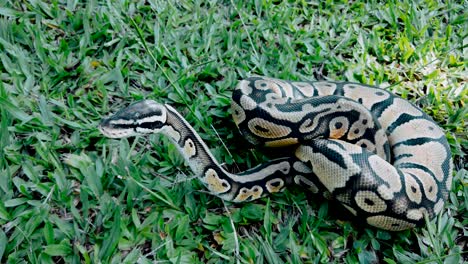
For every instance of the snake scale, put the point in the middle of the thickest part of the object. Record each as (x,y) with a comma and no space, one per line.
(381,157)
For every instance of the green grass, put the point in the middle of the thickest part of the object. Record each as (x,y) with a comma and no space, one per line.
(70,195)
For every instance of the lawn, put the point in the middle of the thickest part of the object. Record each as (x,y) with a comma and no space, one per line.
(69,195)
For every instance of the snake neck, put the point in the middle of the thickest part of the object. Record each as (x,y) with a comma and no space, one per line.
(195,152)
(252,184)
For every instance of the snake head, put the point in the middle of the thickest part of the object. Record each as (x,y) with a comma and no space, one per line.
(143,117)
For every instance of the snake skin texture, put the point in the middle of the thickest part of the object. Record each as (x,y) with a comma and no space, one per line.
(386,161)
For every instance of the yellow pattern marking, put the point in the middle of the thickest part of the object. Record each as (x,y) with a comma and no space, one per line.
(267,129)
(338,127)
(394,111)
(414,129)
(214,183)
(413,191)
(367,95)
(431,155)
(246,193)
(325,88)
(367,144)
(238,114)
(268,85)
(416,214)
(370,202)
(275,185)
(387,173)
(282,142)
(331,175)
(172,133)
(306,89)
(189,148)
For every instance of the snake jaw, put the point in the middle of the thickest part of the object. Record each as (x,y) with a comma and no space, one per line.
(143,117)
(111,130)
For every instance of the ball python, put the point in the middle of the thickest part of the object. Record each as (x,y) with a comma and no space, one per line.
(381,157)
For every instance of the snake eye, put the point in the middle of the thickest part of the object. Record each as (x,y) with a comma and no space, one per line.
(143,111)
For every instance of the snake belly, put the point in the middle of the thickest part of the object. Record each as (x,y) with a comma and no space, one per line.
(378,155)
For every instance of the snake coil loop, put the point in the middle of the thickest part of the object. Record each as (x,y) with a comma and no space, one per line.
(381,157)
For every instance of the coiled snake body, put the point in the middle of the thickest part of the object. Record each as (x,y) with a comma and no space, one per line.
(381,157)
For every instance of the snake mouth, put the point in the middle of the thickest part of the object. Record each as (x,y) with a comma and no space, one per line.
(112,129)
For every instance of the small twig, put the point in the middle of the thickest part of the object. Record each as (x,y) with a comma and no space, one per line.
(225,147)
(236,241)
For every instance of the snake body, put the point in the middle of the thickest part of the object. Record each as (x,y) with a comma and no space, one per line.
(381,157)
